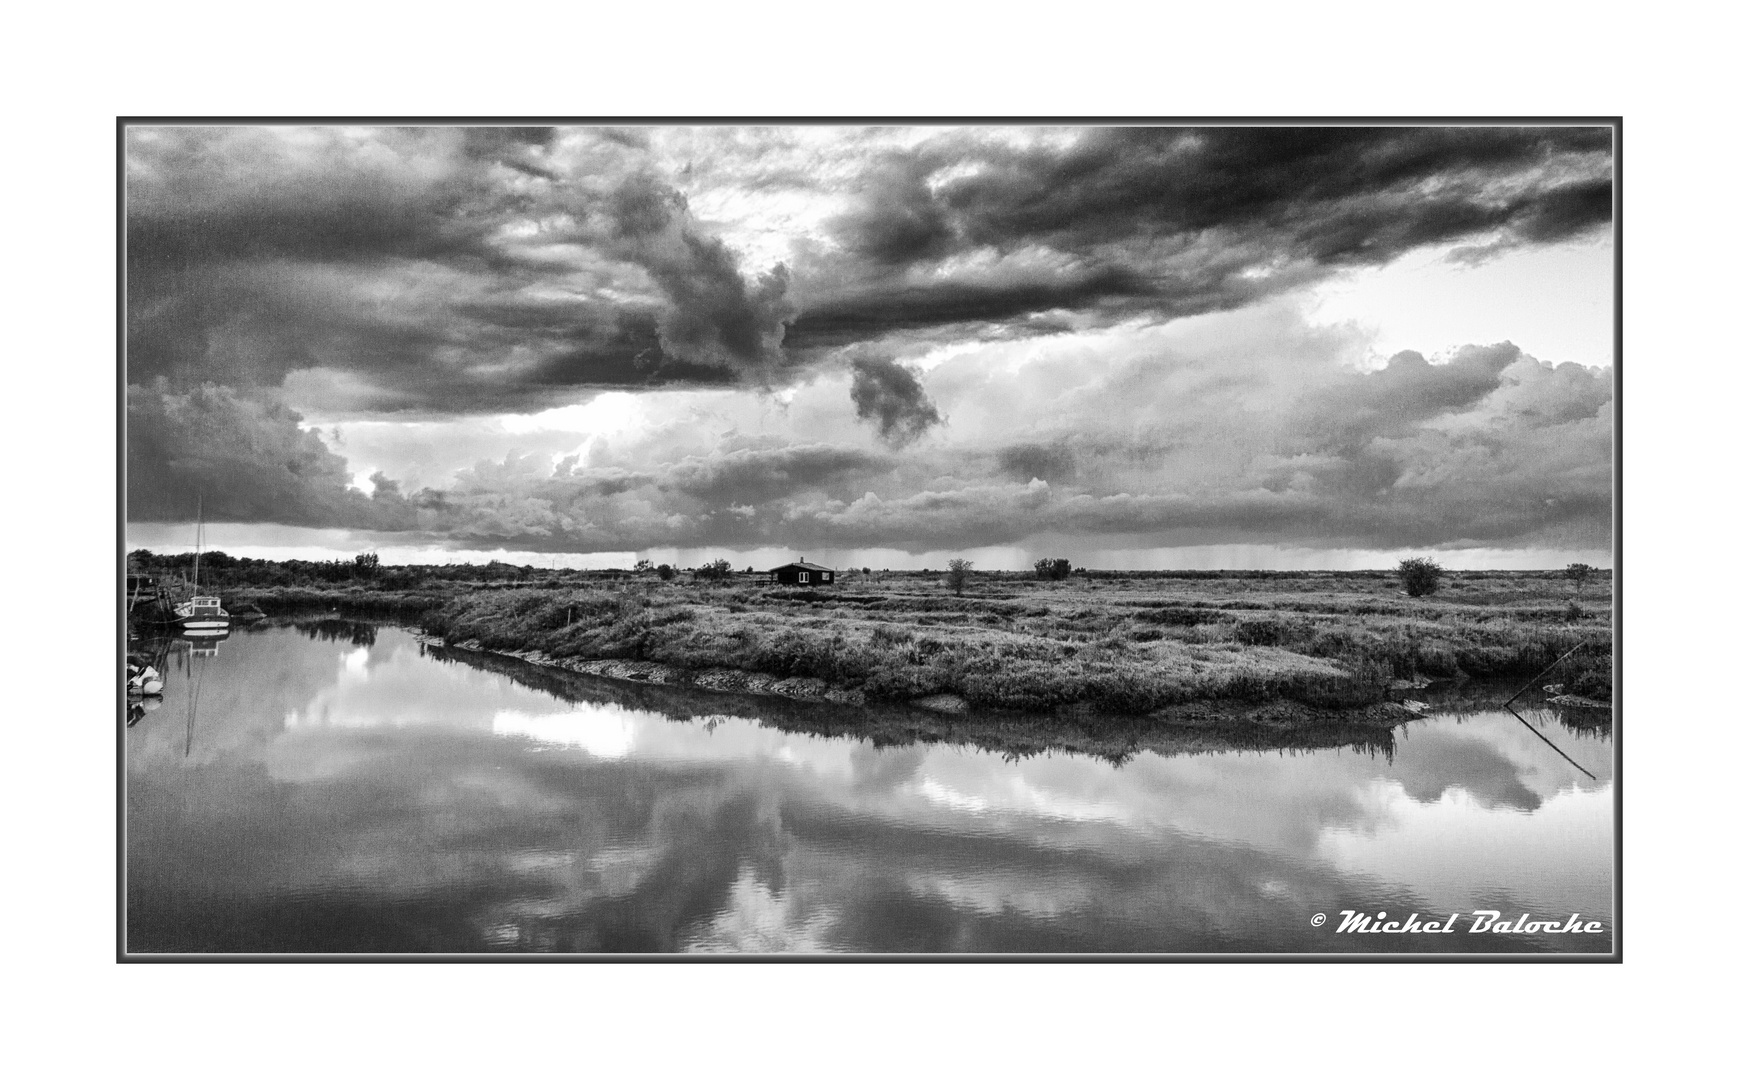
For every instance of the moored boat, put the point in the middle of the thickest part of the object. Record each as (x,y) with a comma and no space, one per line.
(200,616)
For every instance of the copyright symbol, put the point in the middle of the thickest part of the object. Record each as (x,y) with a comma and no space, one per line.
(1318,919)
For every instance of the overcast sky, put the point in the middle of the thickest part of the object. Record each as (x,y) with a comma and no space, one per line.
(1142,347)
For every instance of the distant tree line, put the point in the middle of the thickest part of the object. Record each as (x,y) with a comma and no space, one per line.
(221,567)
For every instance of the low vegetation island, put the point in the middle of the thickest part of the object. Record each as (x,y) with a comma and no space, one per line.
(1101,642)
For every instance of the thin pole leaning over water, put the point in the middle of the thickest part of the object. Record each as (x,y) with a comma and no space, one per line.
(1553,745)
(1537,732)
(1542,673)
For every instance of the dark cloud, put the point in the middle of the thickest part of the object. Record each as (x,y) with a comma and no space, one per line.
(869,313)
(458,269)
(897,220)
(1037,461)
(241,459)
(748,476)
(1190,220)
(892,396)
(1308,191)
(450,269)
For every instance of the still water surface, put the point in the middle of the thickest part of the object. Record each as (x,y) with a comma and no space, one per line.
(340,787)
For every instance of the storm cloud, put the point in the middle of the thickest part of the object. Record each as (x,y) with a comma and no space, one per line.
(436,269)
(235,457)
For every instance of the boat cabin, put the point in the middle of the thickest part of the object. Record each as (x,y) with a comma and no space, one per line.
(802,573)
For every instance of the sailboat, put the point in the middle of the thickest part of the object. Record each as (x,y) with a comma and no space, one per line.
(200,616)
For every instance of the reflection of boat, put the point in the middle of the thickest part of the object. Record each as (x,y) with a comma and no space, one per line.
(202,642)
(200,615)
(204,647)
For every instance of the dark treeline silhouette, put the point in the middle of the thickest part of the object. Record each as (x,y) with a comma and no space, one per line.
(221,568)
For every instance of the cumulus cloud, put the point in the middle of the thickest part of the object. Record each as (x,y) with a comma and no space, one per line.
(243,458)
(1249,428)
(891,396)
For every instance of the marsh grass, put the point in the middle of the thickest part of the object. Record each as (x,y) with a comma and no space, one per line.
(1114,644)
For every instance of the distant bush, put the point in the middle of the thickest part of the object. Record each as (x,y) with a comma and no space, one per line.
(1420,577)
(959,570)
(1052,569)
(717,570)
(1578,572)
(643,566)
(666,571)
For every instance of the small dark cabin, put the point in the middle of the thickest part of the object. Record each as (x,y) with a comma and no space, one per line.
(802,573)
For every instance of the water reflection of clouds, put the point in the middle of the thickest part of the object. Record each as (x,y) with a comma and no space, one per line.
(626,830)
(758,920)
(1462,854)
(599,730)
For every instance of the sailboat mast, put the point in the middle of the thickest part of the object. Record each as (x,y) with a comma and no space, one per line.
(198,539)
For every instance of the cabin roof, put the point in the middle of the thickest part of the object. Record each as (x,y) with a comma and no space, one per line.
(800,566)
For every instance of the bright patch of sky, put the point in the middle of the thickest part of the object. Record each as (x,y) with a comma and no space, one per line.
(1555,303)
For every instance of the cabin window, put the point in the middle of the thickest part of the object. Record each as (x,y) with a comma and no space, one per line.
(802,577)
(826,577)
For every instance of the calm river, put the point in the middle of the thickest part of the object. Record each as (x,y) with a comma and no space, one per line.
(339,788)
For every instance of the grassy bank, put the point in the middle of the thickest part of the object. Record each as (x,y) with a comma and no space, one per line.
(1113,644)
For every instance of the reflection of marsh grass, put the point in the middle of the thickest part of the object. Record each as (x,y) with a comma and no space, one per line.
(1187,730)
(1114,643)
(342,630)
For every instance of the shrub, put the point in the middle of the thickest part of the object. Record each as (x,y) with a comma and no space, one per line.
(959,570)
(1578,572)
(666,571)
(717,570)
(1420,576)
(1052,569)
